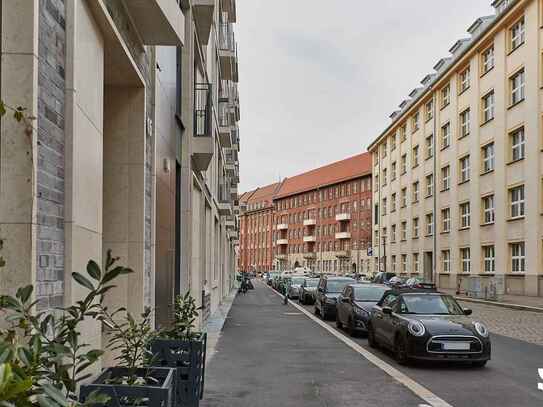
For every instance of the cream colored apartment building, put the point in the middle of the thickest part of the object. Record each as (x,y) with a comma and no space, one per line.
(133,148)
(458,173)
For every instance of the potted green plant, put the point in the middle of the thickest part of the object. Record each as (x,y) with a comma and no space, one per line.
(184,349)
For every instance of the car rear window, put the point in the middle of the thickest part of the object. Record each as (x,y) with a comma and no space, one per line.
(337,286)
(369,293)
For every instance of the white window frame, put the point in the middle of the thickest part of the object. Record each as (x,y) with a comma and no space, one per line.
(403,231)
(415,227)
(403,161)
(446,177)
(518,34)
(518,144)
(446,220)
(429,224)
(488,106)
(415,155)
(518,257)
(517,203)
(429,146)
(404,263)
(416,262)
(429,185)
(446,261)
(446,135)
(465,123)
(415,191)
(465,260)
(518,86)
(465,215)
(465,169)
(465,79)
(489,210)
(404,197)
(488,157)
(489,259)
(488,59)
(445,95)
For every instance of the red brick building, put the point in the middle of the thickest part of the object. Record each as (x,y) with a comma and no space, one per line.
(320,219)
(256,226)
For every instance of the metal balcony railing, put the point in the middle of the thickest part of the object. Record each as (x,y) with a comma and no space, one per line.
(224,114)
(202,109)
(226,37)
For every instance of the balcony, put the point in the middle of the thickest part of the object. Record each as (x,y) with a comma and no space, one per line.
(343,235)
(343,217)
(232,234)
(229,6)
(158,22)
(310,222)
(310,239)
(225,208)
(310,255)
(203,17)
(202,146)
(281,256)
(282,242)
(225,125)
(228,52)
(342,254)
(235,138)
(230,223)
(234,191)
(282,226)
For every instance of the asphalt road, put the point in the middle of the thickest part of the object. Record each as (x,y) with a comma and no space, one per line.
(509,379)
(274,355)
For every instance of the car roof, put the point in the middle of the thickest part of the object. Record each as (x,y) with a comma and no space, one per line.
(355,285)
(337,278)
(408,290)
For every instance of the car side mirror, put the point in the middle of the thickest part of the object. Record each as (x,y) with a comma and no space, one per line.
(320,290)
(467,311)
(387,310)
(346,299)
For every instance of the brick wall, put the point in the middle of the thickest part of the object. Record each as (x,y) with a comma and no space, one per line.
(50,173)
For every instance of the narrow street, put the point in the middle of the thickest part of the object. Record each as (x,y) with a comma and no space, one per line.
(270,354)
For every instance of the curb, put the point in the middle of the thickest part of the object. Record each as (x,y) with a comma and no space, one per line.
(501,304)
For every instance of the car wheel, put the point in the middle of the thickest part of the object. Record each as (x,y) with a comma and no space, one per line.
(339,325)
(479,363)
(400,351)
(371,337)
(317,312)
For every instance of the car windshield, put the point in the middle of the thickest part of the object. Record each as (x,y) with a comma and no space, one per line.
(311,282)
(337,286)
(369,293)
(430,304)
(297,280)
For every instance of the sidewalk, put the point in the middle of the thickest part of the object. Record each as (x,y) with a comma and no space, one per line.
(519,302)
(270,355)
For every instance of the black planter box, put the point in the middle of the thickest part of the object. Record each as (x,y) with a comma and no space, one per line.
(159,392)
(188,357)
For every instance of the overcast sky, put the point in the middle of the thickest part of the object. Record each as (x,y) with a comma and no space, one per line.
(318,79)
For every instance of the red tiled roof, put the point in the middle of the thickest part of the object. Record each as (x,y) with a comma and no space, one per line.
(349,168)
(261,194)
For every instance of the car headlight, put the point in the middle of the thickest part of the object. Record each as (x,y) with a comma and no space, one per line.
(416,328)
(481,329)
(330,300)
(361,312)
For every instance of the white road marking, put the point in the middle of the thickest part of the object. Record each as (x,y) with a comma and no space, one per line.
(400,377)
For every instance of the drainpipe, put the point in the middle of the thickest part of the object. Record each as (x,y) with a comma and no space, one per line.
(434,257)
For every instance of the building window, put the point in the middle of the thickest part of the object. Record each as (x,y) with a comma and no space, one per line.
(415,262)
(489,259)
(384,149)
(464,80)
(518,150)
(488,209)
(403,133)
(446,178)
(415,122)
(429,146)
(384,177)
(429,185)
(404,164)
(403,231)
(446,261)
(517,34)
(464,123)
(384,207)
(393,202)
(488,107)
(445,135)
(429,110)
(404,263)
(465,260)
(393,142)
(415,228)
(393,171)
(488,157)
(446,220)
(445,96)
(487,59)
(393,234)
(429,224)
(518,257)
(404,197)
(415,158)
(393,263)
(415,192)
(465,215)
(464,169)
(517,86)
(516,196)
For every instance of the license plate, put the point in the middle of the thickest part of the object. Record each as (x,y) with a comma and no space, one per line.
(456,345)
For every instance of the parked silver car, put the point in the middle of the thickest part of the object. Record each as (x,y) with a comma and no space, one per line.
(294,288)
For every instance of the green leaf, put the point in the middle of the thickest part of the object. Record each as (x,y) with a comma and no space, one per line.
(45,401)
(94,270)
(55,394)
(24,293)
(2,108)
(18,115)
(83,281)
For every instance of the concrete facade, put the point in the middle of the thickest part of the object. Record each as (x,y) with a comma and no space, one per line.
(113,161)
(454,171)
